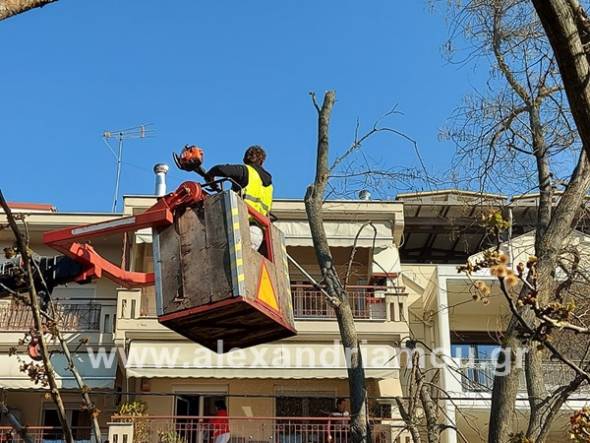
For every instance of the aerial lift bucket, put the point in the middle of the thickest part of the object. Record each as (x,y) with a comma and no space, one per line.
(212,286)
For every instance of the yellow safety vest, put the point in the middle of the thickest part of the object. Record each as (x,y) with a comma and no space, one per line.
(256,194)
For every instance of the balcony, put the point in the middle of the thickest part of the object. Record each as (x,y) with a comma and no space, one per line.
(49,434)
(478,375)
(93,318)
(71,317)
(195,429)
(378,310)
(367,303)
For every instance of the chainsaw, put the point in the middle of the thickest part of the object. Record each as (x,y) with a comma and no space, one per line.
(191,159)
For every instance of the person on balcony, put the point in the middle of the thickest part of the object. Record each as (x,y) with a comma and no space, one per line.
(338,427)
(220,423)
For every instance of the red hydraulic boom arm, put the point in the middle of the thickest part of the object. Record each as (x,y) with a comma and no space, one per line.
(72,242)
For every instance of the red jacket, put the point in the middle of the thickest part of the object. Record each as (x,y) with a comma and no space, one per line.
(220,423)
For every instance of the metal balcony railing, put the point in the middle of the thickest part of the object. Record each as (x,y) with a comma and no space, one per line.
(478,375)
(49,434)
(71,317)
(196,429)
(311,304)
(308,303)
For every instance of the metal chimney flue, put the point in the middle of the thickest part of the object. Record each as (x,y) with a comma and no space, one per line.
(364,195)
(160,170)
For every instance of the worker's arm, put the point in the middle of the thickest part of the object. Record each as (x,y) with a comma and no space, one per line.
(238,173)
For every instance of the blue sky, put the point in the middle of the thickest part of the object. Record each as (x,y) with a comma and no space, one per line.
(219,74)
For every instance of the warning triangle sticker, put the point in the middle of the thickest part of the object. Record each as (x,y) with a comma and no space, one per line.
(266,293)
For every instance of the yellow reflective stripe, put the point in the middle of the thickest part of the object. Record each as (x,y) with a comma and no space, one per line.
(256,200)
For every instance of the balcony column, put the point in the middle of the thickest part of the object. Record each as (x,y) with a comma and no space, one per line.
(120,432)
(444,348)
(390,314)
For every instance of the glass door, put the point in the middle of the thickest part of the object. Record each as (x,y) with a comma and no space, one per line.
(194,428)
(187,428)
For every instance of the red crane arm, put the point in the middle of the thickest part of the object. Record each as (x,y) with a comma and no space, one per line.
(72,241)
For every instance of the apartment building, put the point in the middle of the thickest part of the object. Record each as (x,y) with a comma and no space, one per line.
(88,317)
(288,377)
(402,284)
(442,230)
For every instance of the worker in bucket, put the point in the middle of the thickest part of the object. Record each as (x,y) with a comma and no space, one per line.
(250,180)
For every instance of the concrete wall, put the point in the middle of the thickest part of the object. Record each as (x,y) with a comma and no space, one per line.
(29,406)
(257,405)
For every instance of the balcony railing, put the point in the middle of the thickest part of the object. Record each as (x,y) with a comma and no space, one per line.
(478,375)
(366,304)
(70,317)
(196,429)
(49,434)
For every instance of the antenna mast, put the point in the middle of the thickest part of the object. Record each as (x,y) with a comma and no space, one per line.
(120,135)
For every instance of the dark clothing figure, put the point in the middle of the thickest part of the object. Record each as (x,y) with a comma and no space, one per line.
(239,174)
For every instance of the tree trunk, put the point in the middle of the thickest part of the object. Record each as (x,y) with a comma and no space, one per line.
(8,8)
(432,426)
(533,367)
(505,389)
(359,427)
(535,382)
(409,420)
(563,21)
(548,247)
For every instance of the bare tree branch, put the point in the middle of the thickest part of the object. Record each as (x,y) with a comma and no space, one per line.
(9,8)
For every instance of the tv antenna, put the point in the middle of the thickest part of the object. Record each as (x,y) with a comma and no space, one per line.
(120,135)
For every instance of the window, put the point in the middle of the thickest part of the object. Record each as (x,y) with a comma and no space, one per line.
(476,350)
(51,421)
(304,406)
(190,405)
(78,420)
(381,410)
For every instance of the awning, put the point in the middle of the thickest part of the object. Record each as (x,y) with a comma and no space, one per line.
(389,388)
(386,261)
(143,235)
(340,233)
(96,376)
(283,361)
